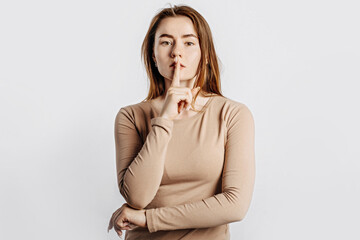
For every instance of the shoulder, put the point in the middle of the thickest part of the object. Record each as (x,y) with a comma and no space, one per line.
(231,106)
(133,110)
(134,114)
(233,111)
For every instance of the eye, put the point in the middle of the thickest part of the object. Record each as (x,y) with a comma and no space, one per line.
(165,42)
(191,43)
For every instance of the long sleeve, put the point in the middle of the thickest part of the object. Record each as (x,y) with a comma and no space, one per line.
(140,165)
(238,179)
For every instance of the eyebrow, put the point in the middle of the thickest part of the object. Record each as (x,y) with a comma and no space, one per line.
(183,36)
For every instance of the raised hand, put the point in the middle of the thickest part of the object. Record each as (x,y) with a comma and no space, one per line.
(177,98)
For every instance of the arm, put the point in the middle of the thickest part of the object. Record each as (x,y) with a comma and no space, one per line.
(237,184)
(140,166)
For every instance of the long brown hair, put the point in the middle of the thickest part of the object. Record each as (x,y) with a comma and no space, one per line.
(208,74)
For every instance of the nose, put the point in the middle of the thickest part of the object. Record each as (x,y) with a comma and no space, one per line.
(176,51)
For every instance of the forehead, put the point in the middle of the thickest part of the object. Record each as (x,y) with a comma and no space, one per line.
(176,26)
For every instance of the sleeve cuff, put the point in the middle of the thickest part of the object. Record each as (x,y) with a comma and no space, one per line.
(149,213)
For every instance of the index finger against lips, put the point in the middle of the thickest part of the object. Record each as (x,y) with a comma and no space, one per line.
(176,76)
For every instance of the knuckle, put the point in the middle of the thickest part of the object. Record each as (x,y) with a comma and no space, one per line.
(124,212)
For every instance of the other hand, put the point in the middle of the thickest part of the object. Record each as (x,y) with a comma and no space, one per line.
(127,218)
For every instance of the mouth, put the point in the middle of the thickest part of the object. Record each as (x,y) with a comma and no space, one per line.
(173,65)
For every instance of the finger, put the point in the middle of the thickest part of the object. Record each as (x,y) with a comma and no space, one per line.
(176,77)
(188,103)
(194,91)
(122,222)
(125,226)
(111,223)
(185,103)
(119,233)
(187,106)
(182,90)
(114,217)
(180,97)
(181,106)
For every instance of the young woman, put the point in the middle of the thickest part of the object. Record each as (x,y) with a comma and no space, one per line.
(185,155)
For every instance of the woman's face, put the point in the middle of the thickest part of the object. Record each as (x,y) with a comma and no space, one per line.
(176,36)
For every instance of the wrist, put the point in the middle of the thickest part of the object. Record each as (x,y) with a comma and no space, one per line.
(145,218)
(143,215)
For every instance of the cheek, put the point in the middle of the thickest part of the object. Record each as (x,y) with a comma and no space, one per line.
(194,58)
(162,54)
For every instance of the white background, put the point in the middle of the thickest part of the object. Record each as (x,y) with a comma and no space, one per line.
(67,67)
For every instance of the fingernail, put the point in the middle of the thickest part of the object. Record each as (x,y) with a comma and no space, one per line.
(176,59)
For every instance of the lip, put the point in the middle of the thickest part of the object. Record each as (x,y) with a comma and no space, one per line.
(181,67)
(173,65)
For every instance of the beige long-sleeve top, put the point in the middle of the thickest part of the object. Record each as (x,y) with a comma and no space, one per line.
(193,176)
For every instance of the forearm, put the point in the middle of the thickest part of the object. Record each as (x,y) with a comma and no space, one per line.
(211,212)
(139,182)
